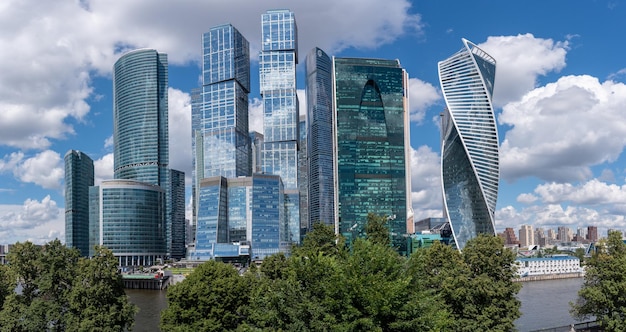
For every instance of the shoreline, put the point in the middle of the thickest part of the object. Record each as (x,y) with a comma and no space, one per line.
(550,277)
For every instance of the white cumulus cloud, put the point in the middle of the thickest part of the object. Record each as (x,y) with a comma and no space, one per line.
(520,61)
(589,116)
(422,95)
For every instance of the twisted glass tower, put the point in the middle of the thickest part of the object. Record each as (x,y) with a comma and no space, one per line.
(469,155)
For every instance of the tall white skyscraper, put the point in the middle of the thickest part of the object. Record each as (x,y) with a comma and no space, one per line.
(469,150)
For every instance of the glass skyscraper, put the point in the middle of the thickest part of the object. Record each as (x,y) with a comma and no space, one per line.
(320,138)
(140,214)
(244,210)
(277,69)
(469,155)
(303,181)
(221,142)
(140,130)
(232,204)
(175,215)
(372,138)
(79,176)
(129,219)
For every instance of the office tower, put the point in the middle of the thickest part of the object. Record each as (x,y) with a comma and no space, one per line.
(128,217)
(220,139)
(141,150)
(220,113)
(132,214)
(469,155)
(551,234)
(526,236)
(277,71)
(564,234)
(321,177)
(303,177)
(540,237)
(175,215)
(509,236)
(231,200)
(256,140)
(592,233)
(254,209)
(79,176)
(372,139)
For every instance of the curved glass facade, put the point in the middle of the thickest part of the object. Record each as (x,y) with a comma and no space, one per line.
(371,130)
(321,176)
(79,176)
(140,117)
(469,156)
(130,220)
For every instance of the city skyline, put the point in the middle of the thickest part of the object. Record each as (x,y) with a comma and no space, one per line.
(570,74)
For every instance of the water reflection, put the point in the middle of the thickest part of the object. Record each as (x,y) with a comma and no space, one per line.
(150,304)
(545,304)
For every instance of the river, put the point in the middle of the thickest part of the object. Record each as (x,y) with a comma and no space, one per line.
(545,304)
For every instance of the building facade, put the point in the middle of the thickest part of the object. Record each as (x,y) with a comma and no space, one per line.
(469,157)
(277,75)
(140,214)
(128,217)
(220,139)
(254,210)
(557,264)
(303,177)
(321,173)
(175,215)
(371,144)
(526,236)
(140,114)
(592,233)
(79,176)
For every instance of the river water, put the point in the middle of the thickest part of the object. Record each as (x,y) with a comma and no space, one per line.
(545,304)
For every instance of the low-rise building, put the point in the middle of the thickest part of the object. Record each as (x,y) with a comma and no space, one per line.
(557,264)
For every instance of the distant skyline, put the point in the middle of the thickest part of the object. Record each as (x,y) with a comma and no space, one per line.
(559,93)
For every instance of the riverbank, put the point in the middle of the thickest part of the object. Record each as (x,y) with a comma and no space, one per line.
(550,277)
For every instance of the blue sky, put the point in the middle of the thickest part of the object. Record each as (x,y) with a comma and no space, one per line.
(559,93)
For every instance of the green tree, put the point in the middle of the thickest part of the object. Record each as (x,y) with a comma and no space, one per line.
(476,285)
(97,301)
(321,239)
(212,298)
(376,229)
(492,302)
(48,275)
(603,293)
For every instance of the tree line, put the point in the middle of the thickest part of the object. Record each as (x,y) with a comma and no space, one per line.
(322,286)
(325,286)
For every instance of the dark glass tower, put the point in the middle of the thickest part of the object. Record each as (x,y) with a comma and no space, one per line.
(321,176)
(140,117)
(277,67)
(371,146)
(79,176)
(175,226)
(469,153)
